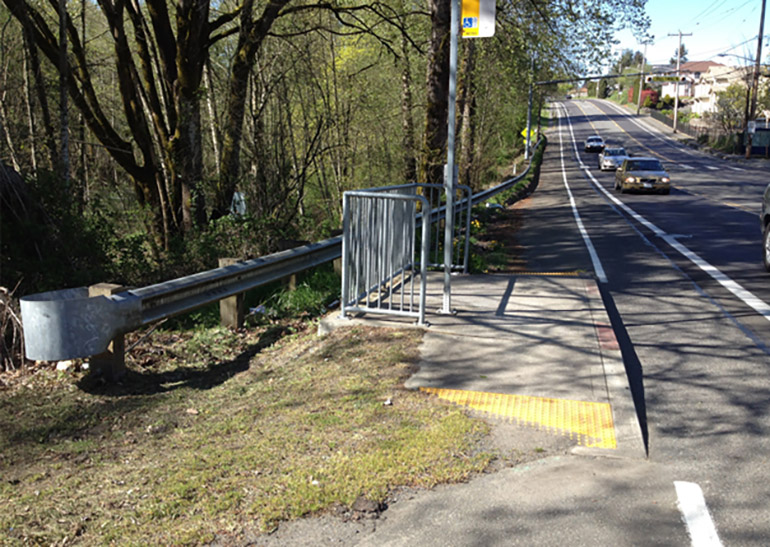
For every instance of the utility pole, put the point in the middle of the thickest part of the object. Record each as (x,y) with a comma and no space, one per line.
(641,80)
(755,79)
(678,64)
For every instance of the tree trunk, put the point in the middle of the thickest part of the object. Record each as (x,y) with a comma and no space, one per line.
(42,99)
(467,107)
(407,124)
(437,81)
(185,143)
(30,115)
(252,34)
(64,166)
(213,121)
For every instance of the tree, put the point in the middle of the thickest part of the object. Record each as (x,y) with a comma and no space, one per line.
(731,108)
(682,55)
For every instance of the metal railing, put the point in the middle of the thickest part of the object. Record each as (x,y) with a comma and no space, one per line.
(380,253)
(69,324)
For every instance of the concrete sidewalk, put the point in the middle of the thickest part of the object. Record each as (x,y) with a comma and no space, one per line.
(535,350)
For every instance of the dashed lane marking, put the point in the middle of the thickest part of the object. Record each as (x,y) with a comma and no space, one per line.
(696,515)
(712,168)
(685,166)
(587,422)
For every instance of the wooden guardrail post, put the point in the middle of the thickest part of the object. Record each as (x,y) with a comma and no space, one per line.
(111,363)
(231,309)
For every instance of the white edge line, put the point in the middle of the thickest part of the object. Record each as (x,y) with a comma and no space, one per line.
(598,268)
(696,516)
(748,298)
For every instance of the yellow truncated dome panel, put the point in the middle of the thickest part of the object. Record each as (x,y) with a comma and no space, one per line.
(589,423)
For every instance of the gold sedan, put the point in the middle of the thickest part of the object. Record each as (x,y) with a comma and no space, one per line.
(642,174)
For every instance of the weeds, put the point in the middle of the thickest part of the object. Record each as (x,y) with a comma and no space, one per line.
(184,454)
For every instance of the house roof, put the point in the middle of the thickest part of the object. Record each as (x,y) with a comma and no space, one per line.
(698,66)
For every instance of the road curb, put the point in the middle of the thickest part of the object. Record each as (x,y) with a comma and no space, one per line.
(628,431)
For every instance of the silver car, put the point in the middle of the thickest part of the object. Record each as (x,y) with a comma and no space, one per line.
(764,218)
(611,158)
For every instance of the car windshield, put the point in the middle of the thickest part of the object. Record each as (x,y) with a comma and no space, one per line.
(594,139)
(614,152)
(645,165)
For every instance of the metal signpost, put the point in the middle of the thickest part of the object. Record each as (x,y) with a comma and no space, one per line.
(478,21)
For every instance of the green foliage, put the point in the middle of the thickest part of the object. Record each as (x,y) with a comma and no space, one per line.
(731,108)
(49,245)
(648,102)
(311,296)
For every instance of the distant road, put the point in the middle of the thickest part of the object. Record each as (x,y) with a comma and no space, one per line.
(690,302)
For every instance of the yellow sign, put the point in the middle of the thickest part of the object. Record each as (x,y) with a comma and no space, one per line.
(531,133)
(478,18)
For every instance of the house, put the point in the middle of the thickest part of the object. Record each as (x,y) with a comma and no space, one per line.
(689,74)
(717,78)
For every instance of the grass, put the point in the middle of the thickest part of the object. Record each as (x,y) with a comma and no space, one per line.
(215,431)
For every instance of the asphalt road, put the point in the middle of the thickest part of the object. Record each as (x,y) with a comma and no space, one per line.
(689,300)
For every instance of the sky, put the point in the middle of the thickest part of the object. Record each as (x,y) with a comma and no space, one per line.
(717,26)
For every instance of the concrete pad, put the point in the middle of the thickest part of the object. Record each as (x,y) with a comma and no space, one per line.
(531,335)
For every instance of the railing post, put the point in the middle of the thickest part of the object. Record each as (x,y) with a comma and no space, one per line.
(231,309)
(111,363)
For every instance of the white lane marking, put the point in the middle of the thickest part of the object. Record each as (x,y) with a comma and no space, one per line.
(696,516)
(712,168)
(735,168)
(586,239)
(685,166)
(759,305)
(642,126)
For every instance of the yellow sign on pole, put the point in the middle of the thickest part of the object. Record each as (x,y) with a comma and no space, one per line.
(478,18)
(531,133)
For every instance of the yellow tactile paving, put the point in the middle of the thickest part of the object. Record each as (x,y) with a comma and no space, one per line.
(589,423)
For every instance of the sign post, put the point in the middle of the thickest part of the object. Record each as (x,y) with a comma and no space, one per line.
(478,21)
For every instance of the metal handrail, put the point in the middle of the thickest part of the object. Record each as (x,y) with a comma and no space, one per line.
(70,324)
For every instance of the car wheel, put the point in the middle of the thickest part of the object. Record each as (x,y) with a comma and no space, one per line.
(666,191)
(766,248)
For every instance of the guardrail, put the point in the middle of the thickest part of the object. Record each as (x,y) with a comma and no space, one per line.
(70,323)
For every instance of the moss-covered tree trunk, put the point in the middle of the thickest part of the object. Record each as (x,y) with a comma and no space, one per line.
(252,33)
(437,82)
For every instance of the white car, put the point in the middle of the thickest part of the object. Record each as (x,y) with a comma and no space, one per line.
(612,157)
(594,144)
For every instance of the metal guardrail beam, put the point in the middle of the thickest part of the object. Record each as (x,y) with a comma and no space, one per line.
(70,324)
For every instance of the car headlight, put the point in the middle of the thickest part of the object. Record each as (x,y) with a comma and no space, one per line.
(630,179)
(665,179)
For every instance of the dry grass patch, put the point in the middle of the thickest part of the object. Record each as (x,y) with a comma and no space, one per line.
(212,433)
